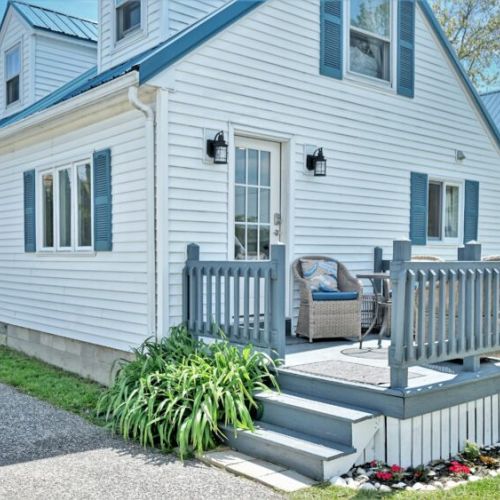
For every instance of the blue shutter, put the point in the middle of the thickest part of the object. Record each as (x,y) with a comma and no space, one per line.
(406,48)
(471,211)
(418,208)
(332,34)
(102,201)
(29,212)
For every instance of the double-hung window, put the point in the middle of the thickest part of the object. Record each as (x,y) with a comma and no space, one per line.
(370,38)
(443,215)
(128,17)
(12,75)
(66,207)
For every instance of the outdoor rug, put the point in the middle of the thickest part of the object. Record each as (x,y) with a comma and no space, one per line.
(353,372)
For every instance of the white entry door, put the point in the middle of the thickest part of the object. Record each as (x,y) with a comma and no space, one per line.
(257,214)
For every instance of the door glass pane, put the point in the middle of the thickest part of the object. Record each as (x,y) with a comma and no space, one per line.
(48,210)
(241,175)
(240,243)
(253,205)
(84,206)
(434,222)
(451,214)
(265,215)
(372,15)
(253,167)
(264,242)
(65,208)
(252,241)
(265,168)
(240,204)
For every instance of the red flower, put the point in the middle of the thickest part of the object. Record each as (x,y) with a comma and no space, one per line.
(383,476)
(458,468)
(397,468)
(373,463)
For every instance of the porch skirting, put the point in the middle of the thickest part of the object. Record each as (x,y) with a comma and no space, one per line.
(82,358)
(436,435)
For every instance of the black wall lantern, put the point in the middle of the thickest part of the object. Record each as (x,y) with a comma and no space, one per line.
(217,148)
(317,163)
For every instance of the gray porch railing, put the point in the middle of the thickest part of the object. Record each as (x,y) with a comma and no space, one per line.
(243,299)
(442,310)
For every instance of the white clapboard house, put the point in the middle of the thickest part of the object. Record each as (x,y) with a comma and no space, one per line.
(210,122)
(492,103)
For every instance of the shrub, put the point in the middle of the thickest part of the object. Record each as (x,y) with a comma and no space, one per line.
(177,392)
(471,451)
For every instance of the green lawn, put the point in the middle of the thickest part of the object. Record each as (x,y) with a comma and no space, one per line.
(486,488)
(43,381)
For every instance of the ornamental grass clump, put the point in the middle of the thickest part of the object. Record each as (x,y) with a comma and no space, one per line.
(178,392)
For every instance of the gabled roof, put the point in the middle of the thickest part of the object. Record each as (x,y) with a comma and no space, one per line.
(492,103)
(155,60)
(56,22)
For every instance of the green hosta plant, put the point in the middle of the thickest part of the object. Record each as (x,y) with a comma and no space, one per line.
(178,392)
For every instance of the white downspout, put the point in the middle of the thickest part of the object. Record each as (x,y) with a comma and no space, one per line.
(133,96)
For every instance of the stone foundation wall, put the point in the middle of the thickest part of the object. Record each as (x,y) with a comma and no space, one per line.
(87,360)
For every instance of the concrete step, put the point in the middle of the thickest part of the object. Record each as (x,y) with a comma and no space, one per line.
(314,417)
(302,452)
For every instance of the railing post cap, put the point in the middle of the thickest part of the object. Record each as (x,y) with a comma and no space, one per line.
(472,242)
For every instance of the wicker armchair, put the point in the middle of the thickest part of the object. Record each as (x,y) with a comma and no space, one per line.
(330,318)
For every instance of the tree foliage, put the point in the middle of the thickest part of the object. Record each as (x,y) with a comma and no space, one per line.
(473,28)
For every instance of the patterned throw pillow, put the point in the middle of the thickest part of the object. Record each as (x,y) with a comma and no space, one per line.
(321,275)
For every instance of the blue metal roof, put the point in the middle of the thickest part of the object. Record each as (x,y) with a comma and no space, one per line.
(492,103)
(56,22)
(154,60)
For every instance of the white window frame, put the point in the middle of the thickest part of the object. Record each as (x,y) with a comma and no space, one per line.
(133,34)
(57,248)
(360,77)
(17,46)
(461,188)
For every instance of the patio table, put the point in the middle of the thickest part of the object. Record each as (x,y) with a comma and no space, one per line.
(383,303)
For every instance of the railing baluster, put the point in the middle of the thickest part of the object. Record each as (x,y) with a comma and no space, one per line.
(477,336)
(421,314)
(442,306)
(469,310)
(227,303)
(246,305)
(192,299)
(409,323)
(256,307)
(199,299)
(487,309)
(462,285)
(217,297)
(267,307)
(496,284)
(432,318)
(209,323)
(452,284)
(236,292)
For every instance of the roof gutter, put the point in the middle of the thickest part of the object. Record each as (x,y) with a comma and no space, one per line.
(77,103)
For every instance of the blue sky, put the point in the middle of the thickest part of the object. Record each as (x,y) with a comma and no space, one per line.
(81,8)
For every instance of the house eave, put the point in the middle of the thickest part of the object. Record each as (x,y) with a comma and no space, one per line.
(66,109)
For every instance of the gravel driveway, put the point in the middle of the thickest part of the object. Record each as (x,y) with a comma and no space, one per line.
(52,454)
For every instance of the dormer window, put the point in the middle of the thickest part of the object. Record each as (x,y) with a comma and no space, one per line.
(370,38)
(128,17)
(12,75)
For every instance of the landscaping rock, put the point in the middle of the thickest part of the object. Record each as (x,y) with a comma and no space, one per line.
(399,486)
(350,483)
(360,471)
(338,481)
(367,487)
(474,478)
(438,485)
(385,489)
(418,486)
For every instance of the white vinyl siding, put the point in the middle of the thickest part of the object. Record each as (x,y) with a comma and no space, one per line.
(266,79)
(163,18)
(96,297)
(58,61)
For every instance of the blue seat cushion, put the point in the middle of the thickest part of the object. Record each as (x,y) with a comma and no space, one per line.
(334,295)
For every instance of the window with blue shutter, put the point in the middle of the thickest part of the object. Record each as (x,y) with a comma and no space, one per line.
(471,211)
(332,33)
(418,208)
(102,201)
(29,211)
(406,48)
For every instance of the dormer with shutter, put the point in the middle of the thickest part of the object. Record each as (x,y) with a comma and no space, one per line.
(41,50)
(130,27)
